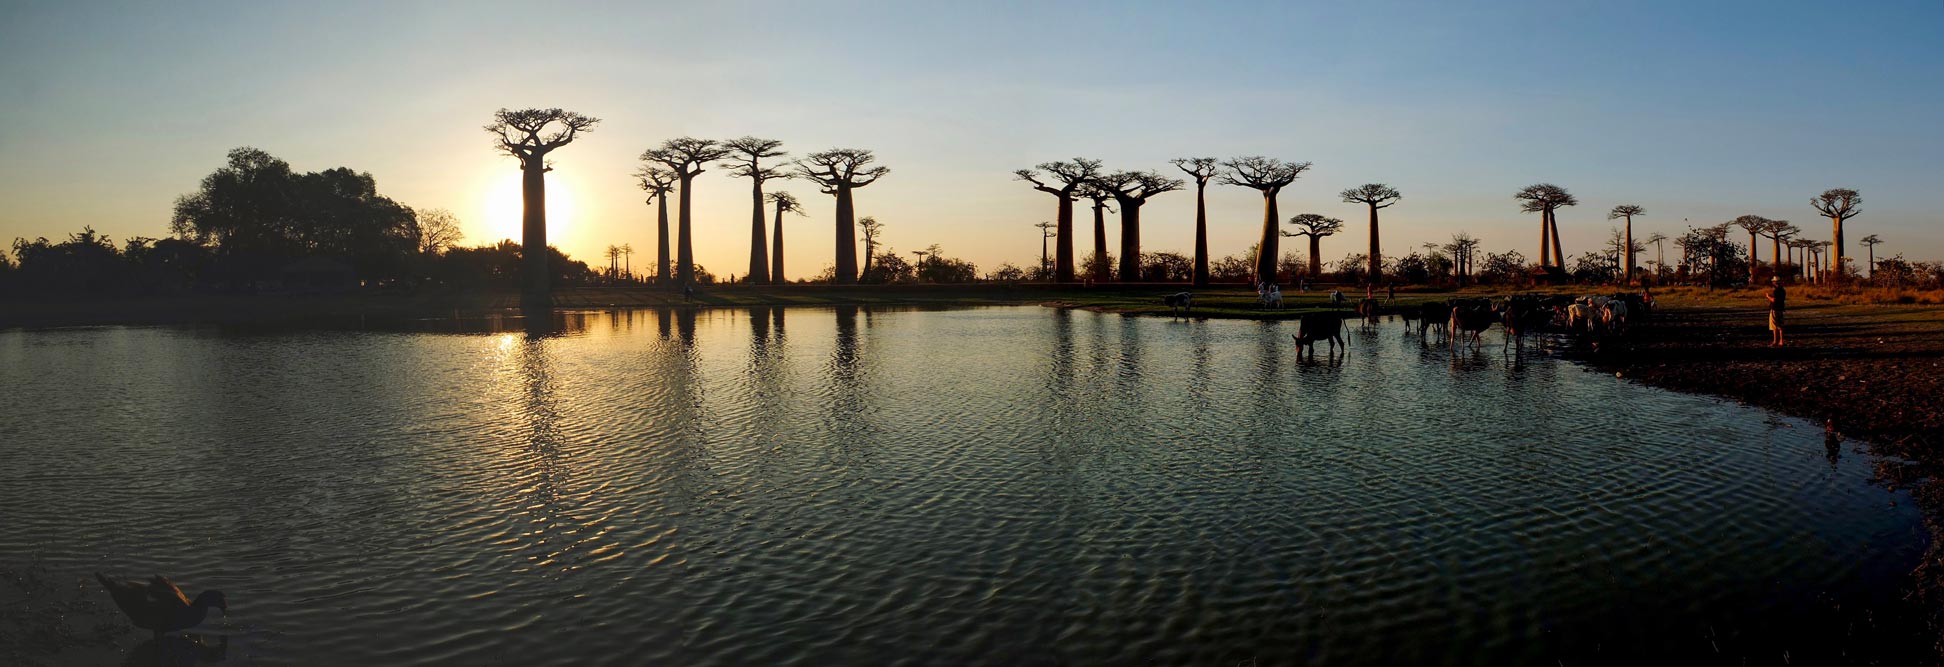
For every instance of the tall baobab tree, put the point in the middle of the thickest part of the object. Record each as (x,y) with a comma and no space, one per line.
(1099,270)
(784,202)
(1776,231)
(1545,199)
(1462,246)
(657,181)
(528,135)
(1201,170)
(1660,253)
(1837,204)
(1627,211)
(627,260)
(614,262)
(745,161)
(871,228)
(1047,232)
(1131,189)
(1067,177)
(1376,196)
(1826,258)
(1268,176)
(840,171)
(1755,225)
(1871,242)
(685,156)
(1315,226)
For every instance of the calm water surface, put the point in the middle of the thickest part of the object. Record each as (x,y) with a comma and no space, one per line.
(1006,485)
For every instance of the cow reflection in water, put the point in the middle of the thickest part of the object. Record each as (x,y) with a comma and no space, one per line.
(173,650)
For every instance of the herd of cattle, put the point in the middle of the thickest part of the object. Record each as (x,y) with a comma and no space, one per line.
(1466,320)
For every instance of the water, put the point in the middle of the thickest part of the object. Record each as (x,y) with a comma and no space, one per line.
(1002,485)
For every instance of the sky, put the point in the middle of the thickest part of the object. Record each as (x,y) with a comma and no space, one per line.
(1697,111)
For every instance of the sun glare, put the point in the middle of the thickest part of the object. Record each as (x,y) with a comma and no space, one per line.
(503,206)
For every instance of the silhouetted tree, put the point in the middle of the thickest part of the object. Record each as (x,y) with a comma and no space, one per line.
(1376,196)
(528,135)
(1097,268)
(1131,189)
(1839,205)
(1462,247)
(1268,176)
(871,228)
(657,181)
(784,201)
(685,157)
(1315,226)
(1047,232)
(1755,225)
(1627,211)
(1871,243)
(1201,170)
(749,152)
(1660,252)
(1068,176)
(1545,199)
(259,216)
(839,171)
(1776,231)
(438,230)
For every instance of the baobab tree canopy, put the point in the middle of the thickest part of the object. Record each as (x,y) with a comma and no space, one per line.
(1625,210)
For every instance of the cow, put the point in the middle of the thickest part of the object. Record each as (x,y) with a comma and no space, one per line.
(1470,317)
(1615,316)
(1367,309)
(1318,326)
(1433,314)
(1180,303)
(1270,296)
(1336,298)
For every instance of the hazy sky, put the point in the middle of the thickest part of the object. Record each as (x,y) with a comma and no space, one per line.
(1699,111)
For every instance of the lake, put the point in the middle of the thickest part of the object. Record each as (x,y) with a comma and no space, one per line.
(1016,485)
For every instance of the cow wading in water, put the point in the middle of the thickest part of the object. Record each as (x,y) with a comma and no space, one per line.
(1315,327)
(1180,303)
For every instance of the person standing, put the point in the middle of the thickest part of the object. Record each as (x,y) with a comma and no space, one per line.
(1778,302)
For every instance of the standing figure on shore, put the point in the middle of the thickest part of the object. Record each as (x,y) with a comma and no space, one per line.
(1777,298)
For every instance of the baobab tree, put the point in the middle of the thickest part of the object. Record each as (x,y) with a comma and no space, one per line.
(1627,211)
(1837,204)
(1268,176)
(528,135)
(685,156)
(745,161)
(1131,189)
(840,171)
(1067,176)
(1099,270)
(1201,170)
(784,202)
(1047,232)
(871,228)
(1545,199)
(1462,247)
(657,182)
(1660,252)
(1776,231)
(1376,196)
(1315,226)
(1755,225)
(1871,242)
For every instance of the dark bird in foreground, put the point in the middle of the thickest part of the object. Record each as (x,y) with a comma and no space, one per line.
(160,606)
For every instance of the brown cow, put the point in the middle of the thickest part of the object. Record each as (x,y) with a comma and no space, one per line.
(1315,327)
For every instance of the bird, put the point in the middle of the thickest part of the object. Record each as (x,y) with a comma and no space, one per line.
(159,606)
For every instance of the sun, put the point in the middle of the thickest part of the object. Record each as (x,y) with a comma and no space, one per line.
(503,206)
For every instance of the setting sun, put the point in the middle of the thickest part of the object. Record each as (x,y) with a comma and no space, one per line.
(500,219)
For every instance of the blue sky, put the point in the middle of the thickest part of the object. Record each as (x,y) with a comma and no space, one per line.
(1699,111)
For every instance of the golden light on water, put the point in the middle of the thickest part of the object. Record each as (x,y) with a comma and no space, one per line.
(501,216)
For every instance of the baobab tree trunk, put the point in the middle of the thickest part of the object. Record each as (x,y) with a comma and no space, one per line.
(1376,254)
(1775,253)
(847,238)
(1872,266)
(1063,250)
(1753,262)
(661,239)
(684,249)
(1266,249)
(1545,238)
(1099,270)
(1559,256)
(533,237)
(1130,259)
(1316,260)
(1836,247)
(1201,235)
(1630,252)
(759,270)
(776,256)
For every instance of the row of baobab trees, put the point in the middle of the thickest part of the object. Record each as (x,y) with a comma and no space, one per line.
(529,135)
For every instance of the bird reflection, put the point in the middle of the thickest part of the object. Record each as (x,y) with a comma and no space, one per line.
(173,650)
